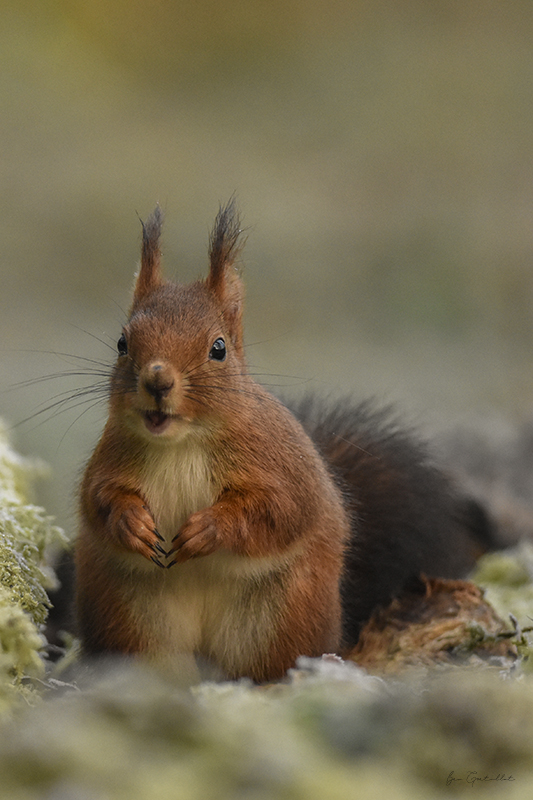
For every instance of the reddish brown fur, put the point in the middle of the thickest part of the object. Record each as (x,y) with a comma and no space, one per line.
(253,564)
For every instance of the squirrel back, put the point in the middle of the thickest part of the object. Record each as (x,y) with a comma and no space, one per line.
(216,527)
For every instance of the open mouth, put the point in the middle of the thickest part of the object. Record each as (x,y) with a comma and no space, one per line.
(156,421)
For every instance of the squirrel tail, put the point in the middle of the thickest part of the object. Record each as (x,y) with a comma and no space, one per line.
(407,517)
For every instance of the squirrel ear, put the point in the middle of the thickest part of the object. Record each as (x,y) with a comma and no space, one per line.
(149,275)
(223,279)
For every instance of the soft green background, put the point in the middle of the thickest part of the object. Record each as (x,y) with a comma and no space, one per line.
(381,153)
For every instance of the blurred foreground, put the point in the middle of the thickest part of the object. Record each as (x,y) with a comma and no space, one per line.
(331,733)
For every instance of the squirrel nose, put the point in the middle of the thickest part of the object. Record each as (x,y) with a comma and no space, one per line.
(158,380)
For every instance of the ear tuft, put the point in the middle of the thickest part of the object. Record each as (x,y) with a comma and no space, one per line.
(151,234)
(149,276)
(225,245)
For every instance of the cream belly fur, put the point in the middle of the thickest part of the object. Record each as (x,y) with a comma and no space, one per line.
(177,481)
(221,607)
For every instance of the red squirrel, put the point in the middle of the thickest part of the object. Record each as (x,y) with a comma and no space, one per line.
(218,526)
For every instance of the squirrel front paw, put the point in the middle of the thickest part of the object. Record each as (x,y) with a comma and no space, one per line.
(199,536)
(136,531)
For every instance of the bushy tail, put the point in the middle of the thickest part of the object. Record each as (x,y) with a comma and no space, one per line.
(407,516)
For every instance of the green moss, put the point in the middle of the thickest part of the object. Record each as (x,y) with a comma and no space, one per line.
(26,535)
(20,643)
(505,568)
(507,580)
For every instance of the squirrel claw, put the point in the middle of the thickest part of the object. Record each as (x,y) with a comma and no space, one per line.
(157,547)
(161,538)
(156,561)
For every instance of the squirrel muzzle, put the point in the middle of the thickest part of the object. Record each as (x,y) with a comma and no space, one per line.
(158,379)
(160,395)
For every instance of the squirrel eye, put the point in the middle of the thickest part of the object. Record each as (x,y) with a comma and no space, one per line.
(218,351)
(122,346)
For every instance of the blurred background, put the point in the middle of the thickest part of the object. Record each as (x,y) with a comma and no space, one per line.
(381,155)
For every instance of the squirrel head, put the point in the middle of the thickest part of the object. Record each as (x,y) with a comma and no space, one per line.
(182,346)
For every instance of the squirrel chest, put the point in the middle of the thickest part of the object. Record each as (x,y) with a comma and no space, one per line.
(176,480)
